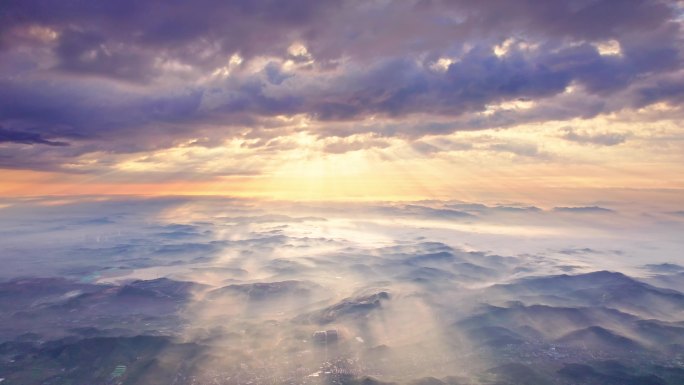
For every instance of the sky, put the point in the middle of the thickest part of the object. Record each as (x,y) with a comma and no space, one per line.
(545,102)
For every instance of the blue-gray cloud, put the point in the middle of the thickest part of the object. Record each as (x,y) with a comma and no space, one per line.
(599,139)
(95,74)
(26,138)
(583,210)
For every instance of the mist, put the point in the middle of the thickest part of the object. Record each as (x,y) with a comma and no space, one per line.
(211,290)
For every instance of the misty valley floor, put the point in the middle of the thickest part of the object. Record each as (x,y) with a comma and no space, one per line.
(237,291)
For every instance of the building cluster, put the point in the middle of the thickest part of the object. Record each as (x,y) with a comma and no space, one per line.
(325,337)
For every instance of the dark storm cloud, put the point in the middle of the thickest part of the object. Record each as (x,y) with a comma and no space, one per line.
(181,28)
(85,53)
(26,138)
(669,89)
(131,76)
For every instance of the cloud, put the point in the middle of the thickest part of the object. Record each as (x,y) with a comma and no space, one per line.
(516,148)
(664,268)
(599,139)
(440,145)
(668,88)
(424,212)
(425,148)
(340,146)
(26,138)
(142,75)
(86,53)
(583,210)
